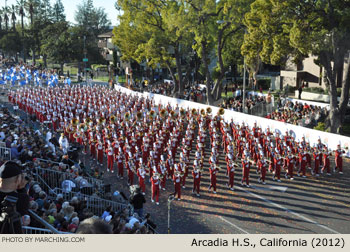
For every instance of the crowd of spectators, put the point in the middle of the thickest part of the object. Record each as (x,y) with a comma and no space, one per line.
(29,148)
(236,103)
(298,113)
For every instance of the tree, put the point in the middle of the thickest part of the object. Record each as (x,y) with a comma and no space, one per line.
(11,43)
(320,28)
(58,43)
(154,32)
(58,14)
(94,20)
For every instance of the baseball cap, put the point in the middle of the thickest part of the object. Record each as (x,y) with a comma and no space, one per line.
(10,169)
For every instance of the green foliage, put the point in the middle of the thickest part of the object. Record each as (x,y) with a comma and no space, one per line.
(11,43)
(320,126)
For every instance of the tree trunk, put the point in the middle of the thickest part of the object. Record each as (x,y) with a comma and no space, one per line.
(61,67)
(172,74)
(180,88)
(210,100)
(218,85)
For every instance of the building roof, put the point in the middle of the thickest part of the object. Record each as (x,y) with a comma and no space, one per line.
(106,35)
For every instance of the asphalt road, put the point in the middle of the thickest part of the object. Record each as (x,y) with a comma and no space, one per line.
(305,205)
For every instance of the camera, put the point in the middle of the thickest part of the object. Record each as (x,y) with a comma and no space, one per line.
(10,219)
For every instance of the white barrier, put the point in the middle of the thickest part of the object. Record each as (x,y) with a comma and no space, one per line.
(312,136)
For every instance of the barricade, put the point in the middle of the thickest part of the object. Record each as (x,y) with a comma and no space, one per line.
(95,204)
(53,179)
(5,153)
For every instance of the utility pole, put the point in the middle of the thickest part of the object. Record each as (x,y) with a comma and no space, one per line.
(85,58)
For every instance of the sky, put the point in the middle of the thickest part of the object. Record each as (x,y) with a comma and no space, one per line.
(70,7)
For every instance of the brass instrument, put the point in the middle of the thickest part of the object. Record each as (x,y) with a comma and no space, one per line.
(202,112)
(139,116)
(152,114)
(163,113)
(182,112)
(112,119)
(221,111)
(209,110)
(74,122)
(173,114)
(194,112)
(127,116)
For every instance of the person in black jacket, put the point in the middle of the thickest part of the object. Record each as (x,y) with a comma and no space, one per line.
(12,184)
(137,200)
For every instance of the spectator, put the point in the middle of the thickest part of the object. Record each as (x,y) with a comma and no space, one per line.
(137,200)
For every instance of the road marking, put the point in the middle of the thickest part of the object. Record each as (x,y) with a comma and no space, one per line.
(289,211)
(235,226)
(271,188)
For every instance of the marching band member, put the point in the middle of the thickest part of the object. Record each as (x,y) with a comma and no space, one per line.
(246,169)
(278,164)
(177,177)
(339,160)
(213,169)
(110,158)
(196,174)
(326,162)
(316,155)
(99,148)
(141,174)
(155,187)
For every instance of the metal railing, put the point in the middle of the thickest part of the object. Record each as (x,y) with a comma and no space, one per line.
(95,204)
(5,153)
(48,228)
(34,230)
(54,179)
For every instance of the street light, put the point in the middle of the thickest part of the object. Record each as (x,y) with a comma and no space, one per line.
(170,199)
(85,59)
(244,77)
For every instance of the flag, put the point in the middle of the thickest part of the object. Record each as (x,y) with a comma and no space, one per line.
(2,82)
(23,82)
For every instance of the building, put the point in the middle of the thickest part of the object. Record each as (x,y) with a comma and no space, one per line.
(307,71)
(107,47)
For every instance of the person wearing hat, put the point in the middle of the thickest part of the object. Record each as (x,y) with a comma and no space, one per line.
(177,178)
(277,163)
(12,183)
(326,162)
(155,187)
(213,169)
(316,156)
(302,161)
(339,160)
(290,159)
(246,168)
(196,174)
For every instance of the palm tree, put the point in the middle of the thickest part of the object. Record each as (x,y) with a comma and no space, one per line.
(13,18)
(0,20)
(20,5)
(6,18)
(29,5)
